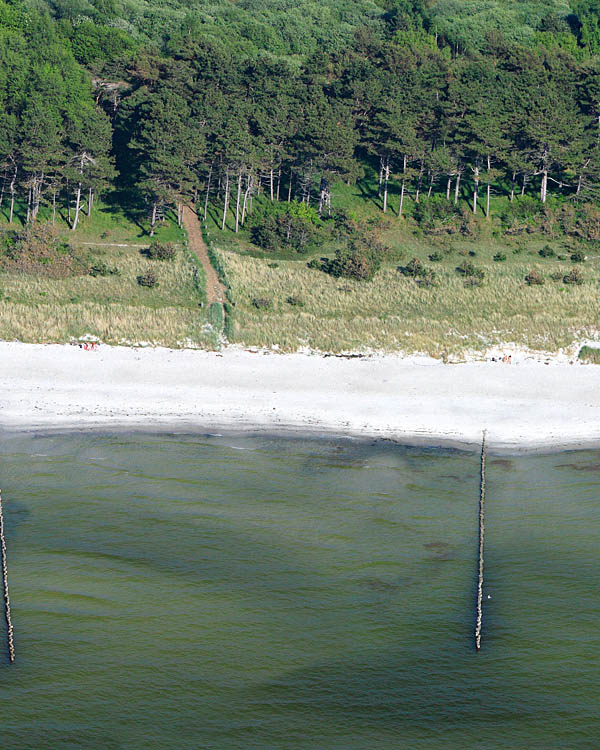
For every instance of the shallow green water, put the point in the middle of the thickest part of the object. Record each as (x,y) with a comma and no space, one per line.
(224,592)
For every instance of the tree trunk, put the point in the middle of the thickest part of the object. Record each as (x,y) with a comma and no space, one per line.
(153,220)
(28,205)
(544,186)
(290,186)
(271,184)
(207,192)
(430,186)
(237,203)
(37,195)
(512,187)
(53,207)
(90,201)
(524,183)
(401,206)
(226,201)
(380,176)
(33,190)
(77,207)
(448,187)
(246,194)
(78,198)
(489,188)
(457,187)
(386,177)
(278,183)
(475,189)
(579,181)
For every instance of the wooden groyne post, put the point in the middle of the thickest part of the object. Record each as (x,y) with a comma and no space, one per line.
(9,627)
(478,611)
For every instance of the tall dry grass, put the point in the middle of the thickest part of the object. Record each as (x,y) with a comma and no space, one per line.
(115,308)
(393,313)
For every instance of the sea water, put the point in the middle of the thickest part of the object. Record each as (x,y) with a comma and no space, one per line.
(223,592)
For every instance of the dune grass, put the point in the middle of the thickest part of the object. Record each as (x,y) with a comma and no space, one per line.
(393,313)
(590,355)
(115,308)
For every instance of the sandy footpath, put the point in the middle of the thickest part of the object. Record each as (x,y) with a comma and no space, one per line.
(527,404)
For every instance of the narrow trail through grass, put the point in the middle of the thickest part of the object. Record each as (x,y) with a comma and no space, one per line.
(215,291)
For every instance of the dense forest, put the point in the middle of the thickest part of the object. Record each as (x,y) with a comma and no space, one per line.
(169,101)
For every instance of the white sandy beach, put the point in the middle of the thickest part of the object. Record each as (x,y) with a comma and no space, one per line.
(525,405)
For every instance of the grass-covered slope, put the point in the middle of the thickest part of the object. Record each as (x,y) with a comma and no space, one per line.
(277,300)
(99,295)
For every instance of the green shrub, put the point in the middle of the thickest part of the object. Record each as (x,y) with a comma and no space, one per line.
(437,215)
(261,303)
(534,278)
(414,268)
(294,226)
(589,354)
(148,279)
(468,270)
(578,256)
(355,262)
(161,251)
(556,276)
(101,269)
(500,257)
(522,213)
(436,257)
(547,252)
(295,301)
(38,249)
(574,277)
(421,274)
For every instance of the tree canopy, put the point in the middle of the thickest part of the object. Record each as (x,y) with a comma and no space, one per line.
(213,101)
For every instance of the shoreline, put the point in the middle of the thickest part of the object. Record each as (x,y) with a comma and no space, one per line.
(535,404)
(432,442)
